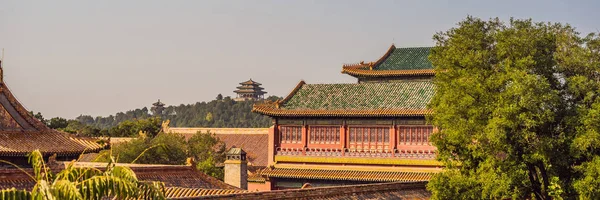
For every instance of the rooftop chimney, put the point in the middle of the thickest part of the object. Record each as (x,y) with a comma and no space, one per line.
(236,168)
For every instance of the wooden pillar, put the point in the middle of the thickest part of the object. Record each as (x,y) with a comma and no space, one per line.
(343,141)
(393,137)
(273,142)
(304,138)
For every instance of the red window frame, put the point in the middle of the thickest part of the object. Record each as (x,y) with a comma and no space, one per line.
(290,134)
(369,137)
(414,135)
(323,134)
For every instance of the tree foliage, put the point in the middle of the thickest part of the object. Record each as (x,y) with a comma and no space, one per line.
(131,128)
(516,106)
(84,183)
(219,113)
(162,149)
(38,116)
(58,123)
(127,128)
(207,150)
(171,148)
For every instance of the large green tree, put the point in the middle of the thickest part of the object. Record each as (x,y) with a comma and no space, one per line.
(517,110)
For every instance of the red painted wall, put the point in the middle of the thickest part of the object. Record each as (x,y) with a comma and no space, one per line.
(266,186)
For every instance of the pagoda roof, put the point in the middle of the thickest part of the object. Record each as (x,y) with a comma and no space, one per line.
(158,103)
(392,99)
(250,87)
(21,133)
(406,61)
(250,82)
(250,91)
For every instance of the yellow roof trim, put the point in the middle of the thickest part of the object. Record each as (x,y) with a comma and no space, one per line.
(364,161)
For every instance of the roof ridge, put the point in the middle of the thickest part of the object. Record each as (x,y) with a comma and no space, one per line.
(374,83)
(20,109)
(385,56)
(333,192)
(2,69)
(429,47)
(292,93)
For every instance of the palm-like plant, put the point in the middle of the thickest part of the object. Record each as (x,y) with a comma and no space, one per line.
(119,182)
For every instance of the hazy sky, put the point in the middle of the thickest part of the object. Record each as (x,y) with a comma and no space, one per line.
(65,58)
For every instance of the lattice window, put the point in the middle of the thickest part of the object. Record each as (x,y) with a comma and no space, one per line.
(290,134)
(324,134)
(369,138)
(414,135)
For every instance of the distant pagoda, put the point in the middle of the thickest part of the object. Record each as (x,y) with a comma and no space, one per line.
(249,90)
(158,108)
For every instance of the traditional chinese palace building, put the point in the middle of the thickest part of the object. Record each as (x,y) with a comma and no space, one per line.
(21,133)
(372,131)
(250,90)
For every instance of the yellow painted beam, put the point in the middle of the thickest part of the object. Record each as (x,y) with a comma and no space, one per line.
(365,161)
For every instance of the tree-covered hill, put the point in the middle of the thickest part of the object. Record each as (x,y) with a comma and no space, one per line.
(220,113)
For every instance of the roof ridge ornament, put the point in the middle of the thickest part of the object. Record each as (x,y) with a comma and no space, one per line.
(1,69)
(1,73)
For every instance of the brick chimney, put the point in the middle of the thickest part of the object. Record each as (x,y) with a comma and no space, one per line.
(236,168)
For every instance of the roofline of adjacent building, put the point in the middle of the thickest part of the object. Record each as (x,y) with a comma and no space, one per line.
(317,192)
(291,94)
(357,70)
(270,110)
(50,153)
(273,109)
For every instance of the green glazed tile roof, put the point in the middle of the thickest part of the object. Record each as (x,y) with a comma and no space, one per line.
(406,59)
(396,62)
(363,96)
